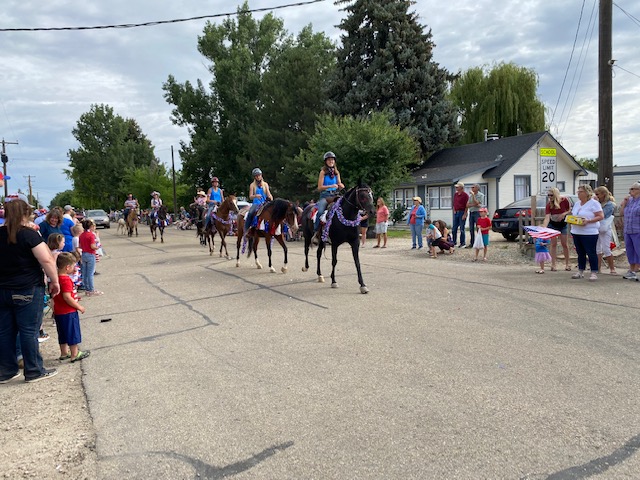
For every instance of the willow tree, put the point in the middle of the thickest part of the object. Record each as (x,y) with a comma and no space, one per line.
(502,100)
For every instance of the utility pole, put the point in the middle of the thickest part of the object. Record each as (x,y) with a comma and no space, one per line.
(175,197)
(5,159)
(605,97)
(31,199)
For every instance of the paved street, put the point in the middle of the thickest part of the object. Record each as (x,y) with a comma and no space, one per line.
(445,370)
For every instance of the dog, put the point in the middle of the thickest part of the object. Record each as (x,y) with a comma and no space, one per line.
(122,226)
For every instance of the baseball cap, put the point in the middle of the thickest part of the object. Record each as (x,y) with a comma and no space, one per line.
(68,208)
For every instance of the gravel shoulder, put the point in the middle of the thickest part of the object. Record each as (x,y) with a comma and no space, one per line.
(47,430)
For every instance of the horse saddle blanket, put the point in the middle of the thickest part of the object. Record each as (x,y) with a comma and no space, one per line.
(314,214)
(263,227)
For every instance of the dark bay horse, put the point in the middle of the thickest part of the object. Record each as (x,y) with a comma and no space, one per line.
(342,226)
(158,222)
(270,224)
(132,222)
(221,222)
(197,218)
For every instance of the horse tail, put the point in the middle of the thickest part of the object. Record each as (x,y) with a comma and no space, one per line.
(250,249)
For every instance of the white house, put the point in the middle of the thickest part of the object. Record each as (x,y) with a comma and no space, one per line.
(507,169)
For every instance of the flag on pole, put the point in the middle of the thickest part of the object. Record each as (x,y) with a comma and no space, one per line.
(541,232)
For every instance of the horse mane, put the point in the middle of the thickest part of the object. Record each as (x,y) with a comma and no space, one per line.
(279,211)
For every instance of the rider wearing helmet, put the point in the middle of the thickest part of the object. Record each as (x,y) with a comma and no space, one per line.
(215,197)
(328,184)
(258,193)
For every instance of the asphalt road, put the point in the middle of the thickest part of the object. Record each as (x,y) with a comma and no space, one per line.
(445,370)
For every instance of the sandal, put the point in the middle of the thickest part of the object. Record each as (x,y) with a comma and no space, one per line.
(554,269)
(539,271)
(80,356)
(567,268)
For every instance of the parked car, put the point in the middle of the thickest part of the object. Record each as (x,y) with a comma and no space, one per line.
(99,217)
(505,220)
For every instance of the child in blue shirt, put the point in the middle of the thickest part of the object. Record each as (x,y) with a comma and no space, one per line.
(542,253)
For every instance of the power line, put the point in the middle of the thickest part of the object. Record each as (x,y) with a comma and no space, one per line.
(625,70)
(160,22)
(634,19)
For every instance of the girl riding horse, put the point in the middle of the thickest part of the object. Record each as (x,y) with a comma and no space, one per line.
(222,223)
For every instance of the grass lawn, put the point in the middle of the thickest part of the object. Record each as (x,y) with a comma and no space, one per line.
(400,233)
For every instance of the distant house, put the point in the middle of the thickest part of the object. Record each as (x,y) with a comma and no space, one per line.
(623,178)
(507,169)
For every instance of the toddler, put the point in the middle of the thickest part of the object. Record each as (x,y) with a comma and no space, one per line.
(484,225)
(65,309)
(542,253)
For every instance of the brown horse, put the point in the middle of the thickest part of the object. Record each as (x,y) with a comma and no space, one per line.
(270,220)
(221,222)
(132,222)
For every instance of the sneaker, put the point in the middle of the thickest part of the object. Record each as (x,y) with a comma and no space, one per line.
(593,277)
(578,275)
(7,380)
(43,376)
(462,245)
(80,356)
(630,276)
(43,338)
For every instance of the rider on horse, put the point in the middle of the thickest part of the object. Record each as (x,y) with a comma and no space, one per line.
(130,204)
(259,193)
(328,184)
(156,203)
(214,198)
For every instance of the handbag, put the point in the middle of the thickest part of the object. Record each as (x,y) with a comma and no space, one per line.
(574,220)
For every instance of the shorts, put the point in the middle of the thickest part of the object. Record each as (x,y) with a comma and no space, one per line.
(68,327)
(381,227)
(563,228)
(485,239)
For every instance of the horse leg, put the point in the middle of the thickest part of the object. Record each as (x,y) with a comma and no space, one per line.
(153,232)
(334,262)
(255,252)
(161,234)
(355,250)
(267,239)
(280,239)
(319,255)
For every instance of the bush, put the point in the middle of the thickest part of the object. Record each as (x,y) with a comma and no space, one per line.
(398,214)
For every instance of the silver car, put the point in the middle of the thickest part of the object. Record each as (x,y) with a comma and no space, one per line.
(99,217)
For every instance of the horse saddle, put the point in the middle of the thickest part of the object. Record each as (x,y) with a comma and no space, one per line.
(314,214)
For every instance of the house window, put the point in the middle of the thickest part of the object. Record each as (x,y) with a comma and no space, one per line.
(439,197)
(403,196)
(560,186)
(522,186)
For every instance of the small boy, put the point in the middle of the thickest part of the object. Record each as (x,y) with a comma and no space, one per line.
(484,225)
(65,310)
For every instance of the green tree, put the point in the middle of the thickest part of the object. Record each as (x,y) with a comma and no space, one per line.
(589,163)
(68,197)
(258,108)
(109,146)
(385,63)
(502,100)
(372,150)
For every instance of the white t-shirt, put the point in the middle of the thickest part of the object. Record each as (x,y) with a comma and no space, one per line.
(588,211)
(433,233)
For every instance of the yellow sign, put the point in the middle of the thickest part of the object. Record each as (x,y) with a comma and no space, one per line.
(547,152)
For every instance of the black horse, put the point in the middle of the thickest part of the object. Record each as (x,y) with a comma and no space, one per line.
(158,221)
(342,226)
(197,218)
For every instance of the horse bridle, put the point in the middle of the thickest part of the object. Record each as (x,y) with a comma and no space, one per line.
(358,204)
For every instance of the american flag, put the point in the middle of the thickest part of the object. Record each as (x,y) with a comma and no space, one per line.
(541,232)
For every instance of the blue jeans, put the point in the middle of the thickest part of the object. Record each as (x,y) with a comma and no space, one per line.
(473,218)
(88,268)
(321,206)
(20,311)
(416,235)
(586,247)
(458,222)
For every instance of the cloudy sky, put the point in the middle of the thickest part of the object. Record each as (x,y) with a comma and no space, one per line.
(49,78)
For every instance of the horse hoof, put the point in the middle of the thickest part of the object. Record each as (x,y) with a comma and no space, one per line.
(237,264)
(364,290)
(272,269)
(334,285)
(258,266)
(304,269)
(284,269)
(320,279)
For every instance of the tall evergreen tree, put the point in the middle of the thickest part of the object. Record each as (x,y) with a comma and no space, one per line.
(385,63)
(502,100)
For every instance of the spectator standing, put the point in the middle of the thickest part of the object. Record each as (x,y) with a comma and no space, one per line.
(475,202)
(484,225)
(89,247)
(52,223)
(382,217)
(23,256)
(630,207)
(585,236)
(460,201)
(65,310)
(542,253)
(416,222)
(603,246)
(557,209)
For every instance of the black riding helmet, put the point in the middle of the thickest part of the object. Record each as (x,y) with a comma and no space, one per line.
(329,155)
